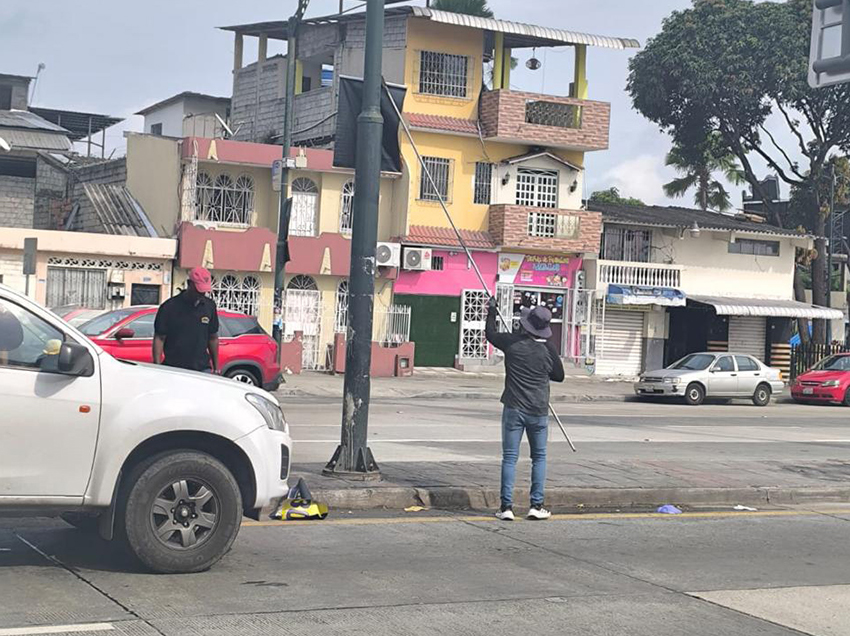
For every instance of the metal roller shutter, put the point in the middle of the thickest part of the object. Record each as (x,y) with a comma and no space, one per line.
(622,346)
(748,334)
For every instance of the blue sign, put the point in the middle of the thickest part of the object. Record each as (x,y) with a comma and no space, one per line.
(640,295)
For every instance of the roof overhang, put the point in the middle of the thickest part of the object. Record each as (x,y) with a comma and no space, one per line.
(767,308)
(517,34)
(544,154)
(79,125)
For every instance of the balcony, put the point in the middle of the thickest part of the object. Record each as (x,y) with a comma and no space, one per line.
(545,229)
(546,120)
(640,274)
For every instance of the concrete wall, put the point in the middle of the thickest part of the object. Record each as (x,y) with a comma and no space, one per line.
(171,118)
(52,203)
(153,177)
(314,112)
(266,200)
(17,201)
(395,41)
(20,92)
(258,113)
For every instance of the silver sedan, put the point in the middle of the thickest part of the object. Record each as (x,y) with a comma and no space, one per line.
(723,375)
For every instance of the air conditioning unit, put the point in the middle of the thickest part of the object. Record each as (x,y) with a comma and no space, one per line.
(388,255)
(417,259)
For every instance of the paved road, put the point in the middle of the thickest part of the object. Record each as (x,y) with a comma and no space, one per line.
(774,574)
(419,430)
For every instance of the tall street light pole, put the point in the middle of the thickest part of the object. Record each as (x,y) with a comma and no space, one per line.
(353,458)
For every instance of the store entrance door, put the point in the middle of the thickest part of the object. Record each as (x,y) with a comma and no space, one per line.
(553,301)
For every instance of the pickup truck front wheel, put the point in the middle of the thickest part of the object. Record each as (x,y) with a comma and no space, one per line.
(182,512)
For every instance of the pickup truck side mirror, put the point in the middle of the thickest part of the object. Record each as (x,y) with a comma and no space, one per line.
(75,359)
(124,332)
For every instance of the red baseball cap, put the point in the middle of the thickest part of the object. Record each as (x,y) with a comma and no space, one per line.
(201,279)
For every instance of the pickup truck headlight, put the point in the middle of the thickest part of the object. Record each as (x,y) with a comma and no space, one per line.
(270,411)
(831,384)
(672,380)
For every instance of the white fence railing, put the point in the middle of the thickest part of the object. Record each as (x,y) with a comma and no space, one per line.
(649,274)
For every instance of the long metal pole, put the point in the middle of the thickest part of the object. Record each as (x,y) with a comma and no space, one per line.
(463,244)
(353,457)
(288,117)
(829,251)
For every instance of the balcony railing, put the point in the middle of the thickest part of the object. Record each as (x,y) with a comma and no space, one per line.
(645,275)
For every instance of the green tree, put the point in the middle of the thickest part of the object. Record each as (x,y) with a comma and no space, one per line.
(697,167)
(727,66)
(613,196)
(468,7)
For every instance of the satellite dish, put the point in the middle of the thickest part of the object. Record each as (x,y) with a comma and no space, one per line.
(5,145)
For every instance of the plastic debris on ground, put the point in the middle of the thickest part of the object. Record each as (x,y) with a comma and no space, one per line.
(415,509)
(669,509)
(745,508)
(300,506)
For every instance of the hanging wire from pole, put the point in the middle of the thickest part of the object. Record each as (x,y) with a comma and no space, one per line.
(460,239)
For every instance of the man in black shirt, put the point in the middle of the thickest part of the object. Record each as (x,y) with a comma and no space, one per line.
(530,363)
(186,327)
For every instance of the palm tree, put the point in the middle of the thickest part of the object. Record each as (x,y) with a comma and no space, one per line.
(469,7)
(697,167)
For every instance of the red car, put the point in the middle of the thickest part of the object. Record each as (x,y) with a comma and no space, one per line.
(246,352)
(828,381)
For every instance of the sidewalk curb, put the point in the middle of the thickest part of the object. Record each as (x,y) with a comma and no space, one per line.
(478,498)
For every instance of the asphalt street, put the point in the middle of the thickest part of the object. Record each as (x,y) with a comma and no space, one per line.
(772,573)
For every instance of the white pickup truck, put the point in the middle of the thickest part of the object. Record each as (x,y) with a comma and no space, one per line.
(167,460)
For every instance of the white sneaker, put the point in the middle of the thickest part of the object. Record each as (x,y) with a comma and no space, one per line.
(505,514)
(538,513)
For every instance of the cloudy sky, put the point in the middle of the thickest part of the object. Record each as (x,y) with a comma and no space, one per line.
(107,59)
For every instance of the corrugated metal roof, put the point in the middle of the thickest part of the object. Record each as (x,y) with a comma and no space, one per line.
(28,120)
(79,125)
(117,210)
(766,307)
(35,140)
(444,236)
(555,36)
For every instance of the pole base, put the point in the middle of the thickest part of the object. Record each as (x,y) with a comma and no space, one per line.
(365,467)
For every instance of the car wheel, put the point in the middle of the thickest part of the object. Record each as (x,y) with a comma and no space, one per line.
(762,395)
(243,375)
(182,512)
(694,394)
(81,520)
(847,397)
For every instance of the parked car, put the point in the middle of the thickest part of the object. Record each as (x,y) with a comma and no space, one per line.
(246,352)
(166,460)
(826,382)
(75,315)
(720,375)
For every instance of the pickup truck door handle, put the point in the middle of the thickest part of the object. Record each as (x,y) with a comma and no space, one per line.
(733,374)
(758,374)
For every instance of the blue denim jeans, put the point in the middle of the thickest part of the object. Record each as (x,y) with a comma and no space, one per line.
(536,427)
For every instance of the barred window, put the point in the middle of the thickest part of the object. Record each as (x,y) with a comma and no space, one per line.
(234,293)
(223,200)
(483,182)
(346,215)
(438,263)
(443,74)
(542,224)
(624,244)
(537,188)
(341,312)
(440,170)
(756,247)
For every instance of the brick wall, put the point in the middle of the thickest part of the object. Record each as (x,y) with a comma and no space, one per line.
(313,112)
(503,116)
(259,116)
(17,201)
(395,34)
(509,228)
(318,39)
(51,195)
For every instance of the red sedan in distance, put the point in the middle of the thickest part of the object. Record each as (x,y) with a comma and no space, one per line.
(826,382)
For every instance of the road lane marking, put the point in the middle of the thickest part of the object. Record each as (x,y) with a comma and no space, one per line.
(57,629)
(591,516)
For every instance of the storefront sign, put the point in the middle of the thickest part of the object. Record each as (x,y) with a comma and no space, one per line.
(639,295)
(532,270)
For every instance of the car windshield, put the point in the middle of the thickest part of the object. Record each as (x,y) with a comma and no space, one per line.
(833,363)
(97,326)
(694,362)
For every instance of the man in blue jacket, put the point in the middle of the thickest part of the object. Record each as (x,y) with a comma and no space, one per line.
(531,362)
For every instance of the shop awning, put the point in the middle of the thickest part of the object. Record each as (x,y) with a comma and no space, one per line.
(640,295)
(767,307)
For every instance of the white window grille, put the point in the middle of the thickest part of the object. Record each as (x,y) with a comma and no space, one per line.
(505,303)
(440,170)
(303,313)
(237,293)
(483,182)
(542,224)
(305,207)
(569,226)
(79,287)
(392,326)
(223,200)
(537,188)
(624,244)
(104,263)
(341,311)
(473,338)
(346,214)
(443,74)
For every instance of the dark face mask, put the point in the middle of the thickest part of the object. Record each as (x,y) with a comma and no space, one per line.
(193,293)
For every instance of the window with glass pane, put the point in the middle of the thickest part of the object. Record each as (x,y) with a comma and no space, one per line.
(537,188)
(542,224)
(24,338)
(443,74)
(624,244)
(142,326)
(483,182)
(754,247)
(440,170)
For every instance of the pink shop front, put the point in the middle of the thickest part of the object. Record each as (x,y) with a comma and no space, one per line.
(448,305)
